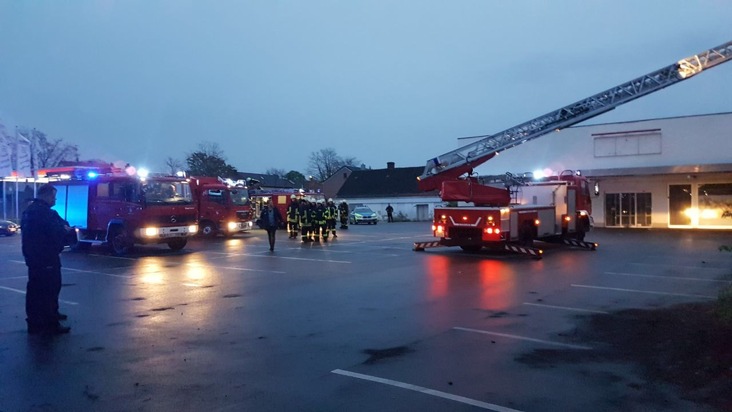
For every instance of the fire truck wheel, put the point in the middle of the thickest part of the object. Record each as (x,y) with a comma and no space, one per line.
(121,245)
(208,229)
(177,244)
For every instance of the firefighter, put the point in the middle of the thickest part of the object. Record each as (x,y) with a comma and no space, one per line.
(293,217)
(331,216)
(343,211)
(319,221)
(305,219)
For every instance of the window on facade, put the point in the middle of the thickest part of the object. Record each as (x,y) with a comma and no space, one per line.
(628,209)
(630,143)
(715,204)
(679,204)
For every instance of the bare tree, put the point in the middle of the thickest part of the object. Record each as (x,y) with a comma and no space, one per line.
(324,163)
(173,165)
(48,152)
(276,172)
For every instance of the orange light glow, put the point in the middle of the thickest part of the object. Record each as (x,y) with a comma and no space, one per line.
(465,218)
(537,222)
(567,218)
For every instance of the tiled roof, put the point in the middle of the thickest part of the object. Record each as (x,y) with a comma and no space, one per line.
(272,181)
(389,182)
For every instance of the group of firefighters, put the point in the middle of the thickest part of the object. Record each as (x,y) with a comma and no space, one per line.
(315,219)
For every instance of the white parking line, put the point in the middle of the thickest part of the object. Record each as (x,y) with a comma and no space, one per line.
(645,291)
(564,308)
(676,266)
(286,257)
(666,277)
(22,292)
(232,268)
(64,268)
(506,335)
(426,391)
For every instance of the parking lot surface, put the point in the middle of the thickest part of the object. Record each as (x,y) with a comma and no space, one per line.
(361,323)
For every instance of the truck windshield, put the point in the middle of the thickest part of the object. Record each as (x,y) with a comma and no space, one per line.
(167,192)
(240,197)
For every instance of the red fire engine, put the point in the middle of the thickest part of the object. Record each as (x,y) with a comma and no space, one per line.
(557,209)
(222,208)
(111,207)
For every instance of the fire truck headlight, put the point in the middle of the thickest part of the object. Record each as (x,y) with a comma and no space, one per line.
(232,226)
(150,231)
(438,229)
(192,228)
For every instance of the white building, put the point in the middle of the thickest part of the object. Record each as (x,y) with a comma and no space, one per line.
(658,173)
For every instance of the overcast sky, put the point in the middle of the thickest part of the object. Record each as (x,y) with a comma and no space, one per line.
(272,81)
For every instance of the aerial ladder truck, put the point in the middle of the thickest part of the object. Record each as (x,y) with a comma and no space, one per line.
(555,209)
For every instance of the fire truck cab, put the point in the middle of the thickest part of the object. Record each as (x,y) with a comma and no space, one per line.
(222,208)
(113,208)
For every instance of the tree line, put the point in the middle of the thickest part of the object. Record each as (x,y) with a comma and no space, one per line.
(207,160)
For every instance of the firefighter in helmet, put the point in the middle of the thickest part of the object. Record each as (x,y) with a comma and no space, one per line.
(304,217)
(331,216)
(343,211)
(319,221)
(293,217)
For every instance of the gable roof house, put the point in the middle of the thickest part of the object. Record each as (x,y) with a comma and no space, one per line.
(377,188)
(267,181)
(334,182)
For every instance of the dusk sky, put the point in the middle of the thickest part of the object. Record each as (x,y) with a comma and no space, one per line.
(270,81)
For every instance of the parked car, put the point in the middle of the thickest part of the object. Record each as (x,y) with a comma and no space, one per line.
(8,228)
(363,214)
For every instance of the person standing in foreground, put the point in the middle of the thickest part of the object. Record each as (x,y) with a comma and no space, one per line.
(43,238)
(271,220)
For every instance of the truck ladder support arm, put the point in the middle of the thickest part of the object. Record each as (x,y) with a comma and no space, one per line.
(455,163)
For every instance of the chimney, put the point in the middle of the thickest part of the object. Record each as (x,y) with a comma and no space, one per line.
(390,165)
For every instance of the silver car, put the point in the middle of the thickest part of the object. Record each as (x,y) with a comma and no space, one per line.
(8,228)
(363,214)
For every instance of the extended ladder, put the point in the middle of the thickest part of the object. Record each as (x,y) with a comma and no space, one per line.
(462,160)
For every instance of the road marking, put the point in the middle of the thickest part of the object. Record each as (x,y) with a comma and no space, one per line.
(286,257)
(506,335)
(64,268)
(666,277)
(564,308)
(22,292)
(15,277)
(233,268)
(675,266)
(97,273)
(426,391)
(645,291)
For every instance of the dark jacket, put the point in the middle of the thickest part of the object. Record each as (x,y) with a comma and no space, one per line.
(43,234)
(264,218)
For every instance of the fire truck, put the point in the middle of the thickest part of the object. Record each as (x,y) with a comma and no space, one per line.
(113,207)
(510,216)
(222,208)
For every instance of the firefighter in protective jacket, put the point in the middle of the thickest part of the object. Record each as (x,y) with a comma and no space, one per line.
(293,217)
(319,221)
(343,211)
(331,217)
(304,215)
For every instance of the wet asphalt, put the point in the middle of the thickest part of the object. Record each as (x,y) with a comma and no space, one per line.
(361,323)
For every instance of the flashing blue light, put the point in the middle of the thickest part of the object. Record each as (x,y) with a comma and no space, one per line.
(92,175)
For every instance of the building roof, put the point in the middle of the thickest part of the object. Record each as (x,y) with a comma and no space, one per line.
(389,182)
(270,181)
